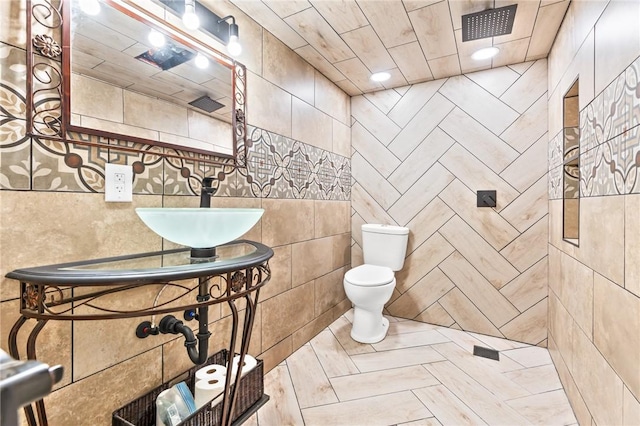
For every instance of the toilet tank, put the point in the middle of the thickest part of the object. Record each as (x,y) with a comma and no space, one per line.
(384,245)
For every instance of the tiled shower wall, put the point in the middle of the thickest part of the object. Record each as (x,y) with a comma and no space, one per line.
(420,154)
(594,289)
(53,210)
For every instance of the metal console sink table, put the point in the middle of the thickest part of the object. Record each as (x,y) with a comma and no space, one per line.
(56,292)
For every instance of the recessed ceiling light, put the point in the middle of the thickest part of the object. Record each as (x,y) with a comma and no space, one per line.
(90,7)
(486,53)
(201,61)
(156,38)
(380,76)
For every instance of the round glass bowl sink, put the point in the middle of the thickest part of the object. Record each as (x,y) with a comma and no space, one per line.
(199,227)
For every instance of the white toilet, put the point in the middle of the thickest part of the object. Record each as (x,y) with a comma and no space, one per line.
(370,286)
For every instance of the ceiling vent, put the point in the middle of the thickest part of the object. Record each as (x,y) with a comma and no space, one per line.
(488,23)
(205,103)
(166,57)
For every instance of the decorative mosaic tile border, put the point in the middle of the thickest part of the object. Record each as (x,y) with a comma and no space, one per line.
(609,140)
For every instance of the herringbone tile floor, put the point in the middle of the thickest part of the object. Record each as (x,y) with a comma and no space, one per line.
(420,374)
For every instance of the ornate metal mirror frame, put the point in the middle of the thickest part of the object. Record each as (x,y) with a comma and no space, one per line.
(48,81)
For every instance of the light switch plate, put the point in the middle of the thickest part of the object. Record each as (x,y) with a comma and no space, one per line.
(118,183)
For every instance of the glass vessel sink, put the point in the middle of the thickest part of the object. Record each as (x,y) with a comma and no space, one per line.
(199,227)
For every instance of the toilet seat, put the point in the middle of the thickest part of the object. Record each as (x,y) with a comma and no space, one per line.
(369,276)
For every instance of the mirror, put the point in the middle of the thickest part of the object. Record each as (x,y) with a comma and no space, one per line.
(122,84)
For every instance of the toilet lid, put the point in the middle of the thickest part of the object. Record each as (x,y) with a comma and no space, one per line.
(369,275)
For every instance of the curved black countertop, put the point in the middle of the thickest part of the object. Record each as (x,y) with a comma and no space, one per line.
(146,268)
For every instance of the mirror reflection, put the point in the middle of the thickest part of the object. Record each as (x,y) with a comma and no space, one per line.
(131,78)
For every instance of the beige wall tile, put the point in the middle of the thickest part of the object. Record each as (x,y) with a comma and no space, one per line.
(95,344)
(283,67)
(602,235)
(486,222)
(530,327)
(435,314)
(270,106)
(306,262)
(632,244)
(373,182)
(276,354)
(280,265)
(472,99)
(79,227)
(419,127)
(167,117)
(422,260)
(480,291)
(373,119)
(77,404)
(529,288)
(529,167)
(329,291)
(332,217)
(341,250)
(482,143)
(616,319)
(529,207)
(310,125)
(529,247)
(424,190)
(374,151)
(475,175)
(429,150)
(384,100)
(420,296)
(463,311)
(307,332)
(617,23)
(577,403)
(97,99)
(599,384)
(631,409)
(524,92)
(413,100)
(341,139)
(53,345)
(285,313)
(529,127)
(331,100)
(478,252)
(561,329)
(429,220)
(576,292)
(287,221)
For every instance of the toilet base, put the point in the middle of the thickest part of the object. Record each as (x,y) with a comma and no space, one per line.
(368,326)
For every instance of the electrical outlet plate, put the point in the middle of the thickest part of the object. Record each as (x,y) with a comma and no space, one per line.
(118,183)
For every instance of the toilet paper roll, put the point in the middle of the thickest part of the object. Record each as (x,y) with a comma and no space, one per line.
(207,390)
(211,371)
(249,363)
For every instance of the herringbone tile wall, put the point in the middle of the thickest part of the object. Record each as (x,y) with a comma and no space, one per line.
(419,155)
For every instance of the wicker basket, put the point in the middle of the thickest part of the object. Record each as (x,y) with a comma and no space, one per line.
(142,411)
